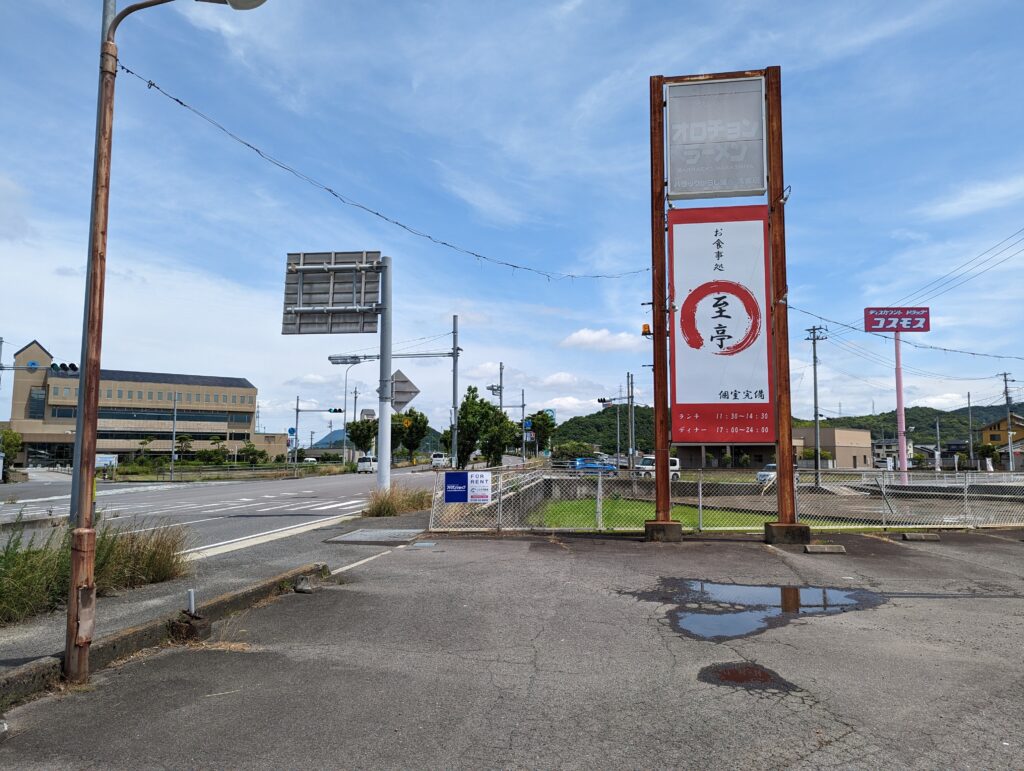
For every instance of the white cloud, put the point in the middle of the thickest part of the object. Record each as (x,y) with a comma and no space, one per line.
(975,198)
(604,340)
(489,203)
(14,225)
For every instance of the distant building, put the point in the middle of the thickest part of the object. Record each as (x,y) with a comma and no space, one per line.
(725,455)
(133,406)
(890,448)
(849,447)
(995,432)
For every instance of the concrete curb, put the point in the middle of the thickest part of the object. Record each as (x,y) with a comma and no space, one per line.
(22,682)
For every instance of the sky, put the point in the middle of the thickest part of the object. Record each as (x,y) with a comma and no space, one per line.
(519,131)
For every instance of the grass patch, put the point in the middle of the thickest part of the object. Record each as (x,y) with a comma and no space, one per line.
(35,573)
(619,514)
(398,500)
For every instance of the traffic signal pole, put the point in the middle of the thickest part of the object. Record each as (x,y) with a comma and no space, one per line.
(384,392)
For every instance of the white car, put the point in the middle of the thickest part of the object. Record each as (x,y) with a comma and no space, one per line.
(645,468)
(367,464)
(439,460)
(768,473)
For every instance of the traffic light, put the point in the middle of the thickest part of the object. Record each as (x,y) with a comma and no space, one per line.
(65,368)
(335,409)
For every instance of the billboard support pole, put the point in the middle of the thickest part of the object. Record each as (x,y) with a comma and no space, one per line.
(901,421)
(661,528)
(384,392)
(786,530)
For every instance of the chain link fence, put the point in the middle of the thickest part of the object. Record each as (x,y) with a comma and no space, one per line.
(549,499)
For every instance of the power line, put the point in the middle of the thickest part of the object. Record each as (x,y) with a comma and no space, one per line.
(856,350)
(904,340)
(369,210)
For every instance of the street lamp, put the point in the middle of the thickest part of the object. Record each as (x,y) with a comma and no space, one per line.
(351,361)
(618,435)
(82,592)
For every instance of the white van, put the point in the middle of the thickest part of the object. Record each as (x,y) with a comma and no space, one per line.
(367,464)
(645,468)
(439,460)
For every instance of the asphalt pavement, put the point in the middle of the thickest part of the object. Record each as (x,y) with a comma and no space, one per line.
(580,652)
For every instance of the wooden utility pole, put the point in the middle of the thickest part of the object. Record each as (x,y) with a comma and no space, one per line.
(661,528)
(786,529)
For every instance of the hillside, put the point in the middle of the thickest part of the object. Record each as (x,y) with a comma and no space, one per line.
(599,427)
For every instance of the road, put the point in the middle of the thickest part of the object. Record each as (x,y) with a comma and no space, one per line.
(220,516)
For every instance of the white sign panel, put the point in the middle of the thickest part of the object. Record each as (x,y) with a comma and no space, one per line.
(479,490)
(721,326)
(715,137)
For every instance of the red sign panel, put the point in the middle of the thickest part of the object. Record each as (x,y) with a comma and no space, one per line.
(722,382)
(896,320)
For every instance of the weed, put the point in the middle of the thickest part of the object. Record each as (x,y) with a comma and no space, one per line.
(35,573)
(397,500)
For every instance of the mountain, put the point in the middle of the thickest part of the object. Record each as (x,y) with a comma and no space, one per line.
(599,427)
(953,426)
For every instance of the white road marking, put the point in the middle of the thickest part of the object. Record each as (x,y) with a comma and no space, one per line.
(334,505)
(244,542)
(302,506)
(175,524)
(275,508)
(361,562)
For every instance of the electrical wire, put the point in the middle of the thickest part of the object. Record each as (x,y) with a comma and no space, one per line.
(903,339)
(363,207)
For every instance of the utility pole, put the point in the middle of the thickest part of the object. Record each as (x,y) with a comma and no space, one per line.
(816,335)
(970,429)
(522,420)
(499,389)
(295,440)
(454,450)
(311,433)
(938,447)
(630,420)
(1009,416)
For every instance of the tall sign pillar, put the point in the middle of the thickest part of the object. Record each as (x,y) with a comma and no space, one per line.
(726,313)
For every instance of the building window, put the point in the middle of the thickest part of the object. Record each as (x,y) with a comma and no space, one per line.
(188,397)
(179,396)
(67,392)
(129,395)
(120,393)
(224,398)
(159,396)
(199,397)
(56,391)
(149,395)
(110,393)
(36,403)
(138,395)
(234,399)
(216,398)
(250,400)
(994,437)
(207,398)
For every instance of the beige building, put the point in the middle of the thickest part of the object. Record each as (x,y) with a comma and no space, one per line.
(850,447)
(133,406)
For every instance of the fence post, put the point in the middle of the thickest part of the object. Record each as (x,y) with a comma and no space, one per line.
(967,484)
(700,500)
(500,476)
(600,501)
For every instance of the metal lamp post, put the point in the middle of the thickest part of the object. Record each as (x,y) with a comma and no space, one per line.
(82,593)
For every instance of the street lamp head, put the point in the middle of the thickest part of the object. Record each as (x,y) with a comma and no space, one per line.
(238,5)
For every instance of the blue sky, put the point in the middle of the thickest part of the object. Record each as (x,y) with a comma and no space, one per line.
(519,131)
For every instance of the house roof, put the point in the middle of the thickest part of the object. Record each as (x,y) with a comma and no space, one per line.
(29,345)
(127,376)
(1019,419)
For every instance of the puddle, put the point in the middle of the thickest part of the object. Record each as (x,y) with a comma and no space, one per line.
(743,674)
(718,612)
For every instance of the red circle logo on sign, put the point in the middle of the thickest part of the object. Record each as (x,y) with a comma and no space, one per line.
(688,315)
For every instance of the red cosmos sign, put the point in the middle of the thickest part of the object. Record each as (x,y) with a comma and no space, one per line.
(897,320)
(720,342)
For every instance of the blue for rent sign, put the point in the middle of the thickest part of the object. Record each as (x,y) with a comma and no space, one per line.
(456,487)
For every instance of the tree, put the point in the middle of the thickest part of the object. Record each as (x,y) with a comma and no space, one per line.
(184,443)
(985,451)
(251,454)
(571,450)
(362,433)
(543,425)
(409,429)
(446,440)
(10,445)
(479,418)
(145,443)
(280,458)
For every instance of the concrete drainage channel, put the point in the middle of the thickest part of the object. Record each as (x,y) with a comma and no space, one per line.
(21,683)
